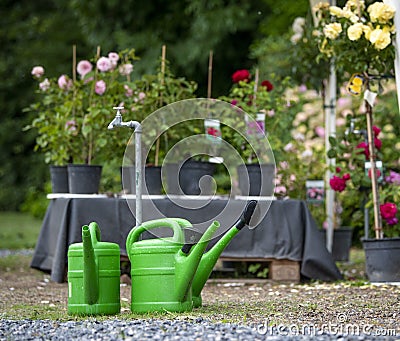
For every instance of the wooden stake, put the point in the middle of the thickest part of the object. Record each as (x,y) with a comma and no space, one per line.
(210,67)
(255,88)
(374,180)
(163,58)
(74,63)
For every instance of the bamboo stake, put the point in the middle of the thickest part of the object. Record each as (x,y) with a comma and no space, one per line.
(210,67)
(163,57)
(374,180)
(255,88)
(90,151)
(74,63)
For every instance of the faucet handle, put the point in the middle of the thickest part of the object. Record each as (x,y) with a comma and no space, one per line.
(118,109)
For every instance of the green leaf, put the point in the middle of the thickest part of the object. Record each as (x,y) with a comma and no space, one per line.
(332,141)
(332,153)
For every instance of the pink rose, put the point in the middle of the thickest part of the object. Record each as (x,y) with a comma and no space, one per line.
(64,82)
(100,87)
(128,91)
(241,75)
(113,57)
(388,210)
(45,85)
(70,125)
(320,131)
(104,64)
(126,69)
(84,67)
(37,71)
(392,221)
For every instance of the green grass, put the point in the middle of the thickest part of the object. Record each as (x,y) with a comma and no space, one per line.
(18,230)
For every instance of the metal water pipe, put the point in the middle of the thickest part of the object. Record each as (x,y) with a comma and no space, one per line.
(137,127)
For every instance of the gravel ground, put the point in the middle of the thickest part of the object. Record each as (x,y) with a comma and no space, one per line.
(33,308)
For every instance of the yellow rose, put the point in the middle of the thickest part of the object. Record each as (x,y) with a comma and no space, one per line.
(355,31)
(332,31)
(367,31)
(336,11)
(355,5)
(380,12)
(380,38)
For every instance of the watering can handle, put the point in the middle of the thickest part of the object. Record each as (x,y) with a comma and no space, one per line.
(133,236)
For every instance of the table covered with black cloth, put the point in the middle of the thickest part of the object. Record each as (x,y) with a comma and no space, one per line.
(287,231)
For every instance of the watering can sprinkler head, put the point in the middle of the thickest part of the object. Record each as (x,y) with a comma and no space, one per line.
(246,215)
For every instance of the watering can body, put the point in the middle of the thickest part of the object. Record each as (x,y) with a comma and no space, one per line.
(166,273)
(93,275)
(162,269)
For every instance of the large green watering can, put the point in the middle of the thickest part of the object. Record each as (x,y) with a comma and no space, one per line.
(168,274)
(93,275)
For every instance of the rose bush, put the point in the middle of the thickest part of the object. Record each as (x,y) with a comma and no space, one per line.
(350,149)
(72,113)
(359,37)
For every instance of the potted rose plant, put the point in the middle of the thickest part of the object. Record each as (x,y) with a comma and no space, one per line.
(260,116)
(72,114)
(158,91)
(359,38)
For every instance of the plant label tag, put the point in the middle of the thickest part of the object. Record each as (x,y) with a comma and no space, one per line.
(213,130)
(256,128)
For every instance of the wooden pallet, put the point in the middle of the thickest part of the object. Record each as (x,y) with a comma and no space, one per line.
(279,269)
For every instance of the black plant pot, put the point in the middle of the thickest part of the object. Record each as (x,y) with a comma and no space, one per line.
(153,181)
(382,259)
(341,243)
(195,177)
(250,176)
(152,184)
(172,178)
(59,179)
(84,179)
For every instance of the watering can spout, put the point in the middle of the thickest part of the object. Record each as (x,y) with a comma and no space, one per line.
(188,260)
(90,235)
(210,258)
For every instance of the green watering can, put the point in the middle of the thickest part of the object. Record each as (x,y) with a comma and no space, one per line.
(168,274)
(93,275)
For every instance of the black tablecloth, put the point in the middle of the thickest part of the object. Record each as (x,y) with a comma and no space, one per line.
(287,231)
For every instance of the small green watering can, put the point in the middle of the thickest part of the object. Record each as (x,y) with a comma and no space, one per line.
(168,274)
(93,275)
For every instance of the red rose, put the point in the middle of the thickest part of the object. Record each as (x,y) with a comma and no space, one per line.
(376,130)
(364,145)
(338,169)
(378,143)
(388,210)
(346,177)
(337,184)
(268,85)
(240,75)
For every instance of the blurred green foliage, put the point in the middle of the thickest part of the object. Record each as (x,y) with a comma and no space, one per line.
(42,32)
